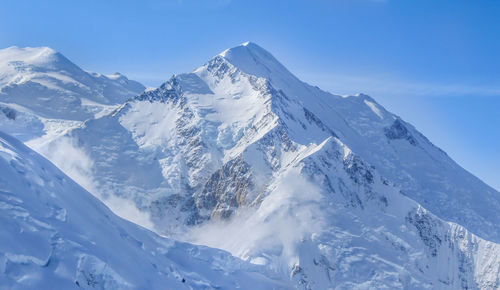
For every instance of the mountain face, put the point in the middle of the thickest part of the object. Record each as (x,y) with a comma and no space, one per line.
(41,89)
(56,235)
(330,191)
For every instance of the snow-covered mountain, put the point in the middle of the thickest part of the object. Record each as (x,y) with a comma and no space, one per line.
(41,92)
(56,235)
(331,191)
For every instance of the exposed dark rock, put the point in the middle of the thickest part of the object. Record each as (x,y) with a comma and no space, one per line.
(226,189)
(399,131)
(315,120)
(427,229)
(357,170)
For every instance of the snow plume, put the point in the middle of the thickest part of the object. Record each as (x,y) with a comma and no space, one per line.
(272,233)
(75,162)
(128,210)
(72,160)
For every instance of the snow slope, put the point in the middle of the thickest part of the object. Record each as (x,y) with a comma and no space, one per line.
(38,85)
(330,191)
(55,235)
(394,147)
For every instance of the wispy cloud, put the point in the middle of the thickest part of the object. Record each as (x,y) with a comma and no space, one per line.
(394,86)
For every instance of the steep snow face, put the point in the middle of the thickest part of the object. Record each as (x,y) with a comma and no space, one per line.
(330,191)
(254,60)
(398,151)
(55,235)
(169,141)
(40,90)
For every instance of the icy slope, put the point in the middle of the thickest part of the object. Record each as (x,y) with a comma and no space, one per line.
(55,235)
(331,191)
(39,84)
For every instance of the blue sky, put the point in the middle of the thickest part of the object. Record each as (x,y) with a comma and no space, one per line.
(434,63)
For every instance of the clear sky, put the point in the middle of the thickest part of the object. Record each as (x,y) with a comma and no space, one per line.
(434,63)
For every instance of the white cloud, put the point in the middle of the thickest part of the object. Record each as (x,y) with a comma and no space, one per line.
(378,85)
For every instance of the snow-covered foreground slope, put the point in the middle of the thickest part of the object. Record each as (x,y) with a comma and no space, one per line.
(331,191)
(41,89)
(55,235)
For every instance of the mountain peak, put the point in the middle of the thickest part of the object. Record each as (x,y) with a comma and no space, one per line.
(116,76)
(29,55)
(45,81)
(31,50)
(35,59)
(252,59)
(247,45)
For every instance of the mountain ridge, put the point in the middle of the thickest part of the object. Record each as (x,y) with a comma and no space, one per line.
(411,136)
(42,93)
(53,84)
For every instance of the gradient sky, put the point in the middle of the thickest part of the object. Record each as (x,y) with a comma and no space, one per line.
(434,63)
